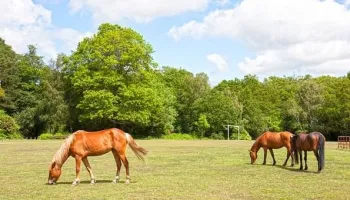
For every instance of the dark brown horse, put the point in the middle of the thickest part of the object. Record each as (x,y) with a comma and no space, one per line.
(315,142)
(269,141)
(82,144)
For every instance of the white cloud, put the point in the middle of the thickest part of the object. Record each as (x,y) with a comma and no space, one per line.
(219,62)
(138,10)
(22,23)
(308,36)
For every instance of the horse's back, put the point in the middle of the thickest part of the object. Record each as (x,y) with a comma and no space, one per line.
(309,142)
(90,143)
(275,139)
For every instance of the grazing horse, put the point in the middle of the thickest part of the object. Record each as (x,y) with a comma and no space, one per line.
(82,144)
(315,142)
(269,141)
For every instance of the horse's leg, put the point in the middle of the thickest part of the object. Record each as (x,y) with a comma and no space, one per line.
(301,159)
(285,162)
(305,158)
(273,156)
(126,165)
(265,154)
(119,165)
(290,154)
(317,157)
(77,170)
(88,168)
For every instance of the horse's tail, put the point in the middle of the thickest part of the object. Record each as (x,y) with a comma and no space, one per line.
(296,157)
(139,151)
(320,147)
(294,148)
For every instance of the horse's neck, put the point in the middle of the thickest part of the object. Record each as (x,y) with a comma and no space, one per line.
(256,146)
(62,153)
(62,161)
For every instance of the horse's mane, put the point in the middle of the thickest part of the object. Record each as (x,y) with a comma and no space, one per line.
(62,153)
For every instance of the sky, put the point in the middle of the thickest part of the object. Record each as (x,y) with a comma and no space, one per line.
(225,39)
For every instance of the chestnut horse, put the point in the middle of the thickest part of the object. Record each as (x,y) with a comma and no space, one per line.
(82,144)
(315,142)
(269,141)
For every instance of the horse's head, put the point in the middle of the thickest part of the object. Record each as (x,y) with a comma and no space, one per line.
(253,156)
(54,173)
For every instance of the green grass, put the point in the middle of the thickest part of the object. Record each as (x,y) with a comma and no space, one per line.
(199,169)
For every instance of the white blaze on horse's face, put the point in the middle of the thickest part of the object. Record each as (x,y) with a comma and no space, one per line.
(253,156)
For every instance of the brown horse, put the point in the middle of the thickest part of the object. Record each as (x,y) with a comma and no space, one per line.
(315,142)
(269,141)
(82,144)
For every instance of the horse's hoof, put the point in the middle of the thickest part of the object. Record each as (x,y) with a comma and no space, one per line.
(264,163)
(127,181)
(115,181)
(93,182)
(75,183)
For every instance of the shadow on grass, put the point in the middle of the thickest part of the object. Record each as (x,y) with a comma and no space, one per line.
(289,168)
(298,170)
(97,182)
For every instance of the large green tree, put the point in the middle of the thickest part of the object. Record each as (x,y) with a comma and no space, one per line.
(187,88)
(111,80)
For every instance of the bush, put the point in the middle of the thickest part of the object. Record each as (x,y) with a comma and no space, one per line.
(50,136)
(178,136)
(45,136)
(15,136)
(60,135)
(243,135)
(9,128)
(217,136)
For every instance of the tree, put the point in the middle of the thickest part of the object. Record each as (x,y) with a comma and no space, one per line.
(111,80)
(202,125)
(187,88)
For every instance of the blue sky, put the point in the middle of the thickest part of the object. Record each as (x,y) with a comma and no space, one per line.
(223,38)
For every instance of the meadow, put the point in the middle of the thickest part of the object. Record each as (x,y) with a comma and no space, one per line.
(198,169)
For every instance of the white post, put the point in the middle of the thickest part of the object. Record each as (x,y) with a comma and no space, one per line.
(228,132)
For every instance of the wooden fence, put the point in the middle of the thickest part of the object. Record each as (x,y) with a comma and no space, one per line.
(344,142)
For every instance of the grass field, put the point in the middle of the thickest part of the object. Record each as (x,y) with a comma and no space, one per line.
(174,170)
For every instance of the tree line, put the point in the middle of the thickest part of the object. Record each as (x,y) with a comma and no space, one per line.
(112,80)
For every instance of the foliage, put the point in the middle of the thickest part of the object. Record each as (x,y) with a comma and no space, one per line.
(45,136)
(8,127)
(112,81)
(217,136)
(178,136)
(243,135)
(50,136)
(202,125)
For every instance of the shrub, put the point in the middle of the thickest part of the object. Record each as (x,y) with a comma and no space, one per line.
(217,136)
(243,135)
(8,127)
(178,136)
(45,136)
(50,136)
(60,135)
